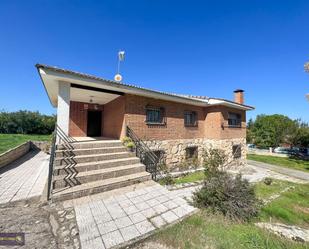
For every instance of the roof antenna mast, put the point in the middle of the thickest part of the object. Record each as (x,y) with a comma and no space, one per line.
(118,76)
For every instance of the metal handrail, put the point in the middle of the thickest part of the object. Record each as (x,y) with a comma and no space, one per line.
(51,164)
(146,155)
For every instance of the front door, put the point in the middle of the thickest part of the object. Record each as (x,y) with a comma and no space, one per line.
(94,123)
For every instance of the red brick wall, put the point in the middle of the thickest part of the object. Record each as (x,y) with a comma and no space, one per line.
(114,118)
(212,121)
(78,118)
(130,110)
(174,112)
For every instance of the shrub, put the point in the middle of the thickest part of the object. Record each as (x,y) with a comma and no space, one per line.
(268,181)
(126,140)
(214,160)
(168,178)
(232,196)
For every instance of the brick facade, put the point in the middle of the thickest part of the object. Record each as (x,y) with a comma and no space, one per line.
(130,110)
(212,121)
(78,118)
(114,113)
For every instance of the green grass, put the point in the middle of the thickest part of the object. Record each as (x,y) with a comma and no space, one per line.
(9,141)
(206,230)
(291,208)
(213,231)
(191,177)
(281,161)
(264,191)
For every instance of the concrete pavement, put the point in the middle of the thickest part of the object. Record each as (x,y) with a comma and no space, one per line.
(282,170)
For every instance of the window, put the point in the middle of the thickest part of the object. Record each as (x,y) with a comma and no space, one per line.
(191,152)
(190,118)
(234,120)
(155,115)
(236,151)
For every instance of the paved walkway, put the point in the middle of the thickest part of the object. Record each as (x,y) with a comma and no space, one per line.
(126,215)
(282,170)
(25,178)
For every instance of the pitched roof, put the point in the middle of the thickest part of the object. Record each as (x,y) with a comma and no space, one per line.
(204,99)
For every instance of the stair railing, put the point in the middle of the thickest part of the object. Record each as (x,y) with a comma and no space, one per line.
(59,137)
(146,155)
(51,164)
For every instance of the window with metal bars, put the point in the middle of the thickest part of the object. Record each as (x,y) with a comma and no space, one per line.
(236,151)
(155,115)
(190,118)
(234,120)
(191,152)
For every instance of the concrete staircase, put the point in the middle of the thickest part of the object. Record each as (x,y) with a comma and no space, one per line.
(85,168)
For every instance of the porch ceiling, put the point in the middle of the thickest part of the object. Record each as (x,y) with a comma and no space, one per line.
(83,95)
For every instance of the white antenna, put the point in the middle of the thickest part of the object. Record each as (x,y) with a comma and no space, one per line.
(118,76)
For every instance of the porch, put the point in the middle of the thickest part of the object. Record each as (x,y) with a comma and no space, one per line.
(88,113)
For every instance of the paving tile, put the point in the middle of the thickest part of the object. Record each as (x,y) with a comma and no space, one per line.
(136,199)
(125,203)
(180,212)
(107,227)
(96,243)
(137,217)
(179,201)
(123,222)
(170,204)
(162,198)
(188,208)
(152,202)
(144,227)
(160,208)
(158,221)
(148,213)
(129,233)
(142,206)
(101,218)
(169,216)
(88,232)
(112,239)
(131,209)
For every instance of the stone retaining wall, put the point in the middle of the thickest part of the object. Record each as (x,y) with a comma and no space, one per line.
(175,150)
(15,153)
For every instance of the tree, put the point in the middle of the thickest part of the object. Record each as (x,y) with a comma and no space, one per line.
(26,122)
(272,130)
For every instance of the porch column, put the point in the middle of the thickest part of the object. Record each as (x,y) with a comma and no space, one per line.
(63,108)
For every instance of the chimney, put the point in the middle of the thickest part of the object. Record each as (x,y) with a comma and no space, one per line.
(239,96)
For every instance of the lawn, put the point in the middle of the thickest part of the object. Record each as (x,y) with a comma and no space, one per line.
(9,141)
(208,230)
(281,161)
(192,177)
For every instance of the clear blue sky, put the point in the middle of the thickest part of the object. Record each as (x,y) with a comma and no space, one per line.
(194,47)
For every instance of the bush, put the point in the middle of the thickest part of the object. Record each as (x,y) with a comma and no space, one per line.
(268,181)
(168,178)
(214,160)
(126,140)
(26,122)
(232,196)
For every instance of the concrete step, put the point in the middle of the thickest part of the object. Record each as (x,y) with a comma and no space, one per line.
(99,186)
(90,151)
(91,144)
(82,167)
(74,178)
(91,158)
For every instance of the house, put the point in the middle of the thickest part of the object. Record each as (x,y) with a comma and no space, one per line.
(178,126)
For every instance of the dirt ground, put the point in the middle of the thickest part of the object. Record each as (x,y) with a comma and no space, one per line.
(45,226)
(32,220)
